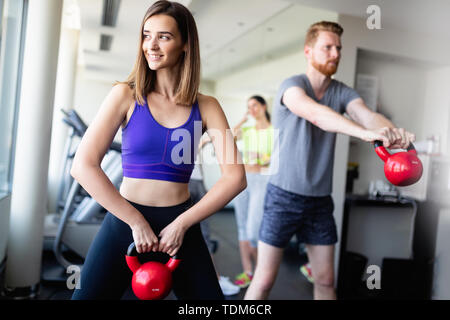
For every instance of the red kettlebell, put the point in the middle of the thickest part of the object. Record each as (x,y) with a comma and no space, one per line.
(401,168)
(151,280)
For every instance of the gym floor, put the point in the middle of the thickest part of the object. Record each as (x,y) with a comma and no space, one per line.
(290,283)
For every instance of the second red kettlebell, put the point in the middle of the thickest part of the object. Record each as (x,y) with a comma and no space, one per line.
(151,280)
(401,168)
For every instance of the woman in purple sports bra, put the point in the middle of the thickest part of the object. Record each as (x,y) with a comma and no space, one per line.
(162,116)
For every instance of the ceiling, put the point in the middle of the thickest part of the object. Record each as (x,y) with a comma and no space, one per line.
(234,33)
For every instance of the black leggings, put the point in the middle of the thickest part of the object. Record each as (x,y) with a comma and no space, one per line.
(105,274)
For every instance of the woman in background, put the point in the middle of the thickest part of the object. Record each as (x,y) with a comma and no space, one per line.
(257,144)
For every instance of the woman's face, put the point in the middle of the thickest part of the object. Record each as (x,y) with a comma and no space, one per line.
(162,44)
(255,109)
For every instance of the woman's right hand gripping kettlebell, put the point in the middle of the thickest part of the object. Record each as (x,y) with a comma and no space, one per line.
(144,237)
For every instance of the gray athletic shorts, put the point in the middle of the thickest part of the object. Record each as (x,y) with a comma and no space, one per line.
(287,213)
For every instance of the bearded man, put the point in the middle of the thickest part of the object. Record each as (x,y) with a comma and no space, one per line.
(308,112)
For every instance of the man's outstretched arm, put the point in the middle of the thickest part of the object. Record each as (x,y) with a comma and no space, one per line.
(360,113)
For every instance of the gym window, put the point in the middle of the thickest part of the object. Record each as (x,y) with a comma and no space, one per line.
(12,31)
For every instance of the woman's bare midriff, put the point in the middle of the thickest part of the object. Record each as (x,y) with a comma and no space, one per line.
(155,193)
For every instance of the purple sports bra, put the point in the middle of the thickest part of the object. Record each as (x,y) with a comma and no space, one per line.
(151,151)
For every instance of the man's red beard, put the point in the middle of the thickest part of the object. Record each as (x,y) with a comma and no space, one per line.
(326,69)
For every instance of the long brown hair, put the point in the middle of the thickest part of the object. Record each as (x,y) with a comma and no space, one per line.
(142,79)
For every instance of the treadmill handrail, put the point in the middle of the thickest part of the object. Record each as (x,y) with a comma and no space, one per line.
(74,120)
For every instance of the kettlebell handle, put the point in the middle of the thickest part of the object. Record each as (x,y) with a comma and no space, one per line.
(132,251)
(379,143)
(384,154)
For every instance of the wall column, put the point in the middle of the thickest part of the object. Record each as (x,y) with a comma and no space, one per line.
(29,192)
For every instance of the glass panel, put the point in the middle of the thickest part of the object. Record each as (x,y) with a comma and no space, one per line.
(12,17)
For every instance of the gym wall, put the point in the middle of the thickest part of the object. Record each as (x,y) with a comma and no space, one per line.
(404,106)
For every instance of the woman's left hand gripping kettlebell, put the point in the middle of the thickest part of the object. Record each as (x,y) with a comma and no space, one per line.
(171,237)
